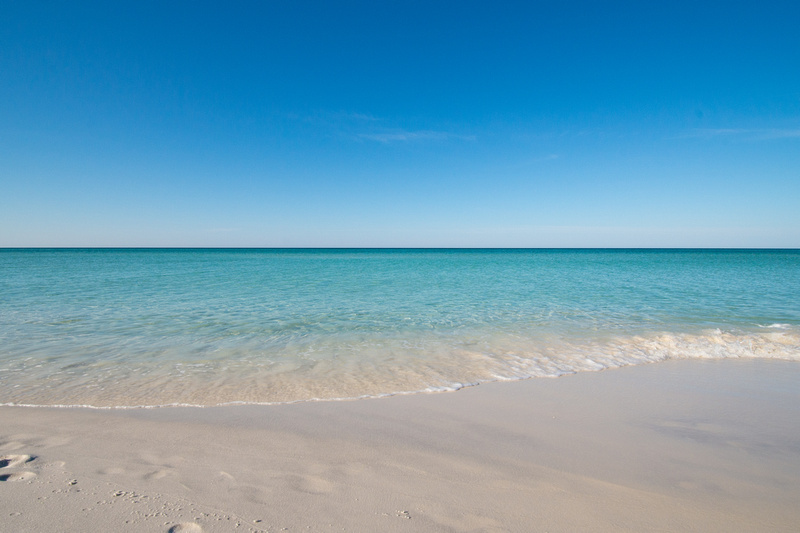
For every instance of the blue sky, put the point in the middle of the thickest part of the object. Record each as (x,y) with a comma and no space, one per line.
(400,124)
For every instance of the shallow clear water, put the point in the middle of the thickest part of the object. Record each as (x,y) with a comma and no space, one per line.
(203,327)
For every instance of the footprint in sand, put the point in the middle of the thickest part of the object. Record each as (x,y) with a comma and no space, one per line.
(309,484)
(160,474)
(18,476)
(10,461)
(12,445)
(111,471)
(185,527)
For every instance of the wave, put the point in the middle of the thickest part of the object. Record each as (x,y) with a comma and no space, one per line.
(400,366)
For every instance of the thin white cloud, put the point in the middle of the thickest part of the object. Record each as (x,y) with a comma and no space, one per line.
(334,117)
(780,134)
(409,136)
(356,117)
(715,132)
(757,134)
(347,124)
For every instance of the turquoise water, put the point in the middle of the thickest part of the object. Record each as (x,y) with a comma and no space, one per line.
(112,328)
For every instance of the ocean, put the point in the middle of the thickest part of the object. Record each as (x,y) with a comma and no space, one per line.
(114,328)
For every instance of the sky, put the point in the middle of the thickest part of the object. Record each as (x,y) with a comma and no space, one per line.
(400,124)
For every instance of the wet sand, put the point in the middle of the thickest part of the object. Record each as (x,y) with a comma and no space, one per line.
(675,446)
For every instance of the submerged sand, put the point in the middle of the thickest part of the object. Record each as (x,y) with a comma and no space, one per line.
(674,446)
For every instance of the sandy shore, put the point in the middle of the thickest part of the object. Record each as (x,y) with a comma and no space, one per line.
(676,446)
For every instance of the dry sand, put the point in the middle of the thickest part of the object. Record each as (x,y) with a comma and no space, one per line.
(675,446)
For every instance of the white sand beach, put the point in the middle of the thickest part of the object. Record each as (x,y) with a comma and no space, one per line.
(674,446)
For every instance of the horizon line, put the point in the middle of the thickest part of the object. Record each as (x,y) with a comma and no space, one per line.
(6,248)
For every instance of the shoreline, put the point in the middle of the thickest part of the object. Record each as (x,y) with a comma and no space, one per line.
(698,445)
(405,374)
